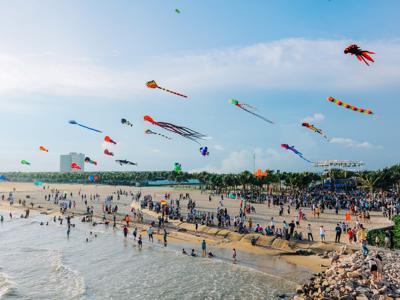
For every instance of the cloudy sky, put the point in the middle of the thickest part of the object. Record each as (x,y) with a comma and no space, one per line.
(89,61)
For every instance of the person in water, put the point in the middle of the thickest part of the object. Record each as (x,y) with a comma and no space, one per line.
(140,243)
(193,254)
(184,251)
(210,255)
(125,231)
(134,233)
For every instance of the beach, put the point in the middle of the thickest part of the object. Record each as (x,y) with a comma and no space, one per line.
(268,257)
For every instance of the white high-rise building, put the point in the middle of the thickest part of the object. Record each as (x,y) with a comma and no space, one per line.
(67,159)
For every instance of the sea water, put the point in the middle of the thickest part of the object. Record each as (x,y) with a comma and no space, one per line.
(40,262)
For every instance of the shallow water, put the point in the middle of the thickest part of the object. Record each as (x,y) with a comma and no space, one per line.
(40,262)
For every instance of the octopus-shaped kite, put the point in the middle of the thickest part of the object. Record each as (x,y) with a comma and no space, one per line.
(126,122)
(177,167)
(75,166)
(108,152)
(41,148)
(291,148)
(125,162)
(153,85)
(204,151)
(25,162)
(109,140)
(249,109)
(362,55)
(182,131)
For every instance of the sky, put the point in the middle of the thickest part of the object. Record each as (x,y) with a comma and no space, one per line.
(89,61)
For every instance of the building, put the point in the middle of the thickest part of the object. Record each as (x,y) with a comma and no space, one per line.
(67,159)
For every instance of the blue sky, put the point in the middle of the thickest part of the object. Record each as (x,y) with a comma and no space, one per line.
(90,60)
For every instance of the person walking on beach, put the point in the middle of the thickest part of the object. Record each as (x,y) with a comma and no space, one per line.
(125,231)
(150,233)
(204,248)
(68,230)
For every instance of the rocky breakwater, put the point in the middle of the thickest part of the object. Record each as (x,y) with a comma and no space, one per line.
(350,277)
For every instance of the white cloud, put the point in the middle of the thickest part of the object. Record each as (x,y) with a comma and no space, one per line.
(317,117)
(291,64)
(219,148)
(350,143)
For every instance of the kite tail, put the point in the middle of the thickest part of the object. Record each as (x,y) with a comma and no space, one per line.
(172,92)
(164,136)
(361,57)
(367,56)
(89,128)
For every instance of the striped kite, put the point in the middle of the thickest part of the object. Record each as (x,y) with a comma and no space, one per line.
(153,85)
(349,106)
(315,129)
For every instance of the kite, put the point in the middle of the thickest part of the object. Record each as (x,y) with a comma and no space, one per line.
(125,162)
(76,123)
(88,160)
(349,106)
(153,85)
(107,152)
(148,131)
(315,129)
(291,148)
(177,167)
(182,131)
(92,178)
(249,109)
(41,148)
(126,122)
(75,166)
(260,173)
(25,162)
(362,55)
(38,183)
(109,140)
(204,151)
(177,11)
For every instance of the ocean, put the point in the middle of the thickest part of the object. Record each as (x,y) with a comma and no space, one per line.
(40,262)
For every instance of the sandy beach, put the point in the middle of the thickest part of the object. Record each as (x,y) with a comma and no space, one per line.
(182,233)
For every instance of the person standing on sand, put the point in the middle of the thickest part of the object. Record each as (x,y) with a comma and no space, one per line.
(338,231)
(150,233)
(203,248)
(134,233)
(309,233)
(165,237)
(322,233)
(68,230)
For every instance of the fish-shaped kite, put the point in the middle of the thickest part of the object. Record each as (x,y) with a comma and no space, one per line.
(362,55)
(75,166)
(153,85)
(315,129)
(293,149)
(41,148)
(125,162)
(349,106)
(182,131)
(107,152)
(73,122)
(90,161)
(249,109)
(126,122)
(109,140)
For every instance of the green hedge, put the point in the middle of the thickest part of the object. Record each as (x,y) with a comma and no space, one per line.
(381,234)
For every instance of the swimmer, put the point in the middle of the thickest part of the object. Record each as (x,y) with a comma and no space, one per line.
(184,251)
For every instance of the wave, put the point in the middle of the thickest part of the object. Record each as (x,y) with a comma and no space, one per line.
(67,280)
(7,286)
